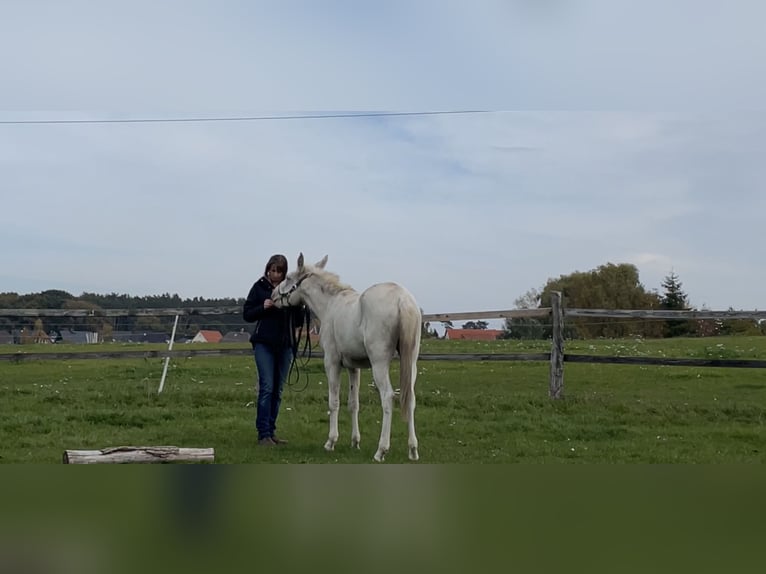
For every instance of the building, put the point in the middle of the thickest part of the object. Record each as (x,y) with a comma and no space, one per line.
(472,334)
(205,336)
(77,337)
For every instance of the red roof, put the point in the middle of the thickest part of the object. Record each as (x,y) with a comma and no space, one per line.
(211,336)
(473,334)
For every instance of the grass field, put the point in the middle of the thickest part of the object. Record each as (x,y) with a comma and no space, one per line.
(468,412)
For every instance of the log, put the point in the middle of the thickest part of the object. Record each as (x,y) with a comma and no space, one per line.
(138,454)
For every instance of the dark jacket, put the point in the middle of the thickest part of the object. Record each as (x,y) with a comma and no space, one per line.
(275,327)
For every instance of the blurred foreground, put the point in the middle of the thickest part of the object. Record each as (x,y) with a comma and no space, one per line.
(379,518)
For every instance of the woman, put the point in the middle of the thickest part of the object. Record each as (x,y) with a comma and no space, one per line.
(272,340)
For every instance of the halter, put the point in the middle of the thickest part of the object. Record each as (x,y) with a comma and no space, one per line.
(286,295)
(294,364)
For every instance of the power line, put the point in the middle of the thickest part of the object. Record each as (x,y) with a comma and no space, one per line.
(249,118)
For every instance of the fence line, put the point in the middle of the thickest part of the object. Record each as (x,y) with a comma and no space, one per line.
(237,310)
(189,353)
(164,312)
(19,357)
(667,362)
(427,317)
(556,312)
(663,314)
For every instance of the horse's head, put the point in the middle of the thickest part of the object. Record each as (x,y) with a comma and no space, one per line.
(289,293)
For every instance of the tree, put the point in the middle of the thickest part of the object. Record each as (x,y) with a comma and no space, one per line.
(425,328)
(525,327)
(39,334)
(149,324)
(475,325)
(92,323)
(737,326)
(106,332)
(609,286)
(674,298)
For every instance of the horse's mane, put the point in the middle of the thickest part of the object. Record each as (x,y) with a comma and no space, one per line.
(330,282)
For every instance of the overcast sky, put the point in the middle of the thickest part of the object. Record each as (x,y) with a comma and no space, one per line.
(622,132)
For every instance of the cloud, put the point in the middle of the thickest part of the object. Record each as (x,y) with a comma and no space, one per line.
(600,146)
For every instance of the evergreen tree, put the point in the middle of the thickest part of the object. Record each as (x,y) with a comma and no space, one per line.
(674,298)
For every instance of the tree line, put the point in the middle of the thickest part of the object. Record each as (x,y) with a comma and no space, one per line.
(105,326)
(610,286)
(617,286)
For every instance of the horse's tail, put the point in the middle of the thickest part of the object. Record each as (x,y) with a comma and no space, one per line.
(410,324)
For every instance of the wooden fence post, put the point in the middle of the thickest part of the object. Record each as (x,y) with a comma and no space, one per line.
(167,359)
(556,388)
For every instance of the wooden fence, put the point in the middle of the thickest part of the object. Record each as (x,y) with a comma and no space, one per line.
(556,313)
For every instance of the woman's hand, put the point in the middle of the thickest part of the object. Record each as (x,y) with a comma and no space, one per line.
(268,304)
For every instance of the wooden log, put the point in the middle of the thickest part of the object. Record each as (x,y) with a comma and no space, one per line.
(138,454)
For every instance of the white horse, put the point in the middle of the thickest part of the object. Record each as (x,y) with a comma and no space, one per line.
(360,331)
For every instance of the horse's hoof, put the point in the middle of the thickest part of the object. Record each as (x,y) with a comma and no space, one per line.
(329,446)
(380,456)
(355,444)
(414,454)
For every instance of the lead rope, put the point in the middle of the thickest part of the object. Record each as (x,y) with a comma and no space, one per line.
(295,366)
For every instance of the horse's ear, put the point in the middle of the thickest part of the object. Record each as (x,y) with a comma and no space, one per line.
(300,261)
(322,263)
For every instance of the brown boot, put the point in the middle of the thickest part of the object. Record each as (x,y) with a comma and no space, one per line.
(266,441)
(279,440)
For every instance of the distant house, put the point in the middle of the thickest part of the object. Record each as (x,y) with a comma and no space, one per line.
(205,336)
(241,336)
(472,334)
(77,337)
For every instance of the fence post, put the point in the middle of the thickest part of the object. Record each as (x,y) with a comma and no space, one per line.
(167,359)
(556,388)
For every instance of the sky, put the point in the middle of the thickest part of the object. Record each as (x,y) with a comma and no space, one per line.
(610,132)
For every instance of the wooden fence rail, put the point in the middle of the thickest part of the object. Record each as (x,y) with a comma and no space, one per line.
(20,357)
(191,311)
(557,314)
(663,314)
(427,317)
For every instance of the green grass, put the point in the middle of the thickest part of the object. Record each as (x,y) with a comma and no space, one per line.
(468,412)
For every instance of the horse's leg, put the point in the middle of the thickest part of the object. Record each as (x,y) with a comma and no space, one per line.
(353,405)
(412,441)
(332,369)
(383,382)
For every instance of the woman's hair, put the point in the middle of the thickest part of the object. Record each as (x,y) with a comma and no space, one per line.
(278,260)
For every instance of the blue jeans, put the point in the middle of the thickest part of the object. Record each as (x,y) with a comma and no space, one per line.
(273,364)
